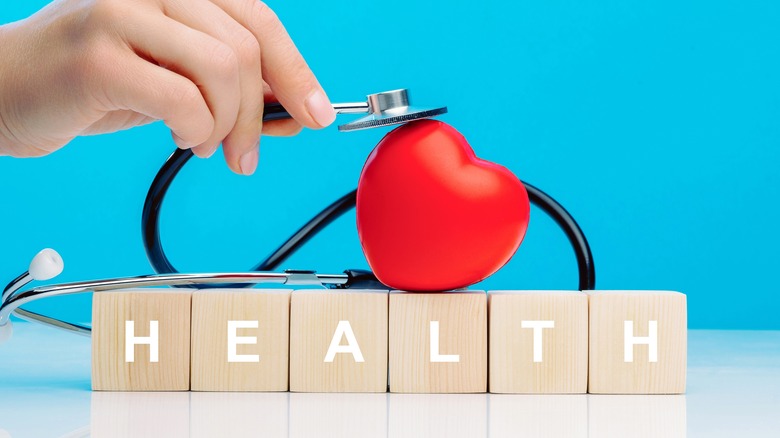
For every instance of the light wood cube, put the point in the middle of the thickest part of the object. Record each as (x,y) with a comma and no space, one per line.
(338,341)
(141,340)
(538,342)
(240,339)
(638,342)
(438,342)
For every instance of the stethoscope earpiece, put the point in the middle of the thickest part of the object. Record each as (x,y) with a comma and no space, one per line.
(46,265)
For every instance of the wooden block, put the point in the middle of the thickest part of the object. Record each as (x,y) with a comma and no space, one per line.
(240,339)
(338,415)
(137,360)
(438,342)
(438,415)
(638,342)
(239,414)
(538,342)
(139,414)
(620,416)
(338,341)
(539,416)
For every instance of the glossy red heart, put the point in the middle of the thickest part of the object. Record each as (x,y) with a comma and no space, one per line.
(431,216)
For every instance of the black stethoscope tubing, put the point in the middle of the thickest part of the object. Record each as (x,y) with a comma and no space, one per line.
(150,224)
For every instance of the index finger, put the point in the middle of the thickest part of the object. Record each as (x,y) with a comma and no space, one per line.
(283,67)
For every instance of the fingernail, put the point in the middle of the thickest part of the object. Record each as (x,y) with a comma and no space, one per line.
(248,162)
(320,108)
(211,151)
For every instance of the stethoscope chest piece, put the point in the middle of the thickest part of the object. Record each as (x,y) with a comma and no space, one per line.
(390,108)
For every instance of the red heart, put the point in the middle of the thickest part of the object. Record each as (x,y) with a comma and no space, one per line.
(432,216)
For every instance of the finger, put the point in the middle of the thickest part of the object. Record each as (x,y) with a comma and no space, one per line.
(117,121)
(283,66)
(17,150)
(163,95)
(207,62)
(207,17)
(282,128)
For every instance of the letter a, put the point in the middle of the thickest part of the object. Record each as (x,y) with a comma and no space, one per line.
(344,329)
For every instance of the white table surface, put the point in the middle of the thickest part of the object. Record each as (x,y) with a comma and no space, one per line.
(733,391)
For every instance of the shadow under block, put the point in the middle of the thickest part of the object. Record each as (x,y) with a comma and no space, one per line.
(139,360)
(638,342)
(538,342)
(240,339)
(338,341)
(454,360)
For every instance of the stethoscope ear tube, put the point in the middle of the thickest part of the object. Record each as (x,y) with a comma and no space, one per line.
(13,298)
(585,266)
(150,216)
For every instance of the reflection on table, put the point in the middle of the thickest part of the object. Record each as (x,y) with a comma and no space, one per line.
(733,387)
(297,415)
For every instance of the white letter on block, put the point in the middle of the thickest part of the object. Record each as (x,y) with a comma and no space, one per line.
(435,356)
(630,340)
(234,340)
(131,341)
(537,326)
(344,329)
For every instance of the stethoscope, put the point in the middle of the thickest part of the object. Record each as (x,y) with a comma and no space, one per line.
(382,109)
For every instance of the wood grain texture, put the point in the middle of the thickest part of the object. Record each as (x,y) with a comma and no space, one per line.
(110,310)
(609,373)
(564,351)
(462,320)
(315,315)
(211,311)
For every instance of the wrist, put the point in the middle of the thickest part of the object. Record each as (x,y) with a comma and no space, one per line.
(5,132)
(9,143)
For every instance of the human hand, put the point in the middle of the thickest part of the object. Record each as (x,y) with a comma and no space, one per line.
(204,67)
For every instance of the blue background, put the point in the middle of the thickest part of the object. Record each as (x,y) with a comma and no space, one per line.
(657,124)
